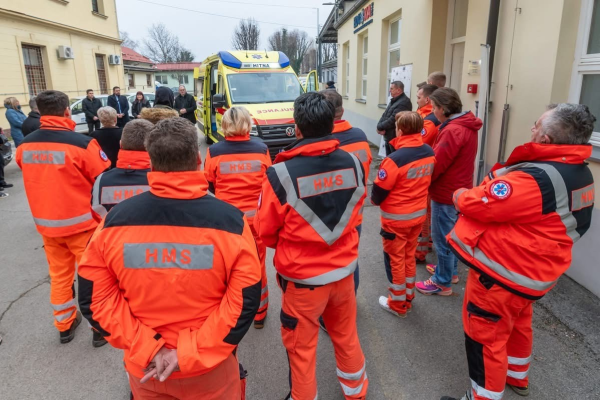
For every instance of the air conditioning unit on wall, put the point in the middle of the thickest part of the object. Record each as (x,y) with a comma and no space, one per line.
(114,59)
(65,53)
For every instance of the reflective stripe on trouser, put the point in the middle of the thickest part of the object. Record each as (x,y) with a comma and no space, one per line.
(262,256)
(424,242)
(400,265)
(300,311)
(498,337)
(62,253)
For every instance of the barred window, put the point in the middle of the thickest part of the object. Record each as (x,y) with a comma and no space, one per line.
(34,69)
(101,74)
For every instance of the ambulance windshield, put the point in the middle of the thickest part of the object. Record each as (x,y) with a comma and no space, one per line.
(263,87)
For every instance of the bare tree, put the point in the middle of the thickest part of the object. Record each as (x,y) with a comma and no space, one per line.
(246,35)
(329,51)
(309,62)
(164,47)
(128,41)
(294,44)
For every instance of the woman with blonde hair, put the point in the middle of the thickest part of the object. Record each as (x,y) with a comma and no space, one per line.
(109,136)
(235,170)
(15,118)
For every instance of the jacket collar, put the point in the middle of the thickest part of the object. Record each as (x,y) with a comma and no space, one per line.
(564,153)
(341,126)
(50,122)
(34,114)
(453,117)
(425,110)
(308,147)
(178,185)
(414,140)
(129,159)
(237,138)
(395,99)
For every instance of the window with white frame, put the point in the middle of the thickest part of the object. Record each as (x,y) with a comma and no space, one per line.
(364,65)
(456,35)
(347,72)
(393,48)
(585,81)
(162,79)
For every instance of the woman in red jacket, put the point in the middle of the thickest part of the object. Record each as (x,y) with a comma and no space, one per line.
(455,150)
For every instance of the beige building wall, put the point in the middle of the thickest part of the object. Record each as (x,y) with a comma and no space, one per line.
(30,23)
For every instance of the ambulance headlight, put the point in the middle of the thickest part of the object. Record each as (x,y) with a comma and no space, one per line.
(253,130)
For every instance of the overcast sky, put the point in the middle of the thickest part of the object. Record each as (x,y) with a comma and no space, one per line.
(207,34)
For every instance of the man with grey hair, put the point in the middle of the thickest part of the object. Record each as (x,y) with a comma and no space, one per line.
(516,233)
(185,104)
(32,123)
(387,123)
(109,136)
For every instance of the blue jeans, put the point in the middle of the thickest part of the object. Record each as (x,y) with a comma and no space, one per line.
(443,218)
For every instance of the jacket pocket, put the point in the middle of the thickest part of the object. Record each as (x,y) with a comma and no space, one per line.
(470,230)
(483,324)
(289,334)
(387,235)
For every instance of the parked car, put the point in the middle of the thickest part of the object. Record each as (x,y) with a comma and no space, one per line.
(5,148)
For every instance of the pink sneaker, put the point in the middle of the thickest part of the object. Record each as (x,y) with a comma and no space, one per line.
(431,269)
(428,287)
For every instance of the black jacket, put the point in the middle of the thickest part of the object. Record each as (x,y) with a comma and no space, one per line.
(32,123)
(189,103)
(109,140)
(90,108)
(114,103)
(136,107)
(387,122)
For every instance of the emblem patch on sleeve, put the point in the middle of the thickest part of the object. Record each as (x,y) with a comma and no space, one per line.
(423,132)
(382,174)
(103,155)
(501,190)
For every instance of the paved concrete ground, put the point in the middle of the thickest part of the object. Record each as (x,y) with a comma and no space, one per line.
(420,358)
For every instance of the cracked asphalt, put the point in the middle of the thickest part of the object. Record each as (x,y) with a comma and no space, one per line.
(421,357)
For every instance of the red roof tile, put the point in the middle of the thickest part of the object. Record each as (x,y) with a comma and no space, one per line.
(181,66)
(132,55)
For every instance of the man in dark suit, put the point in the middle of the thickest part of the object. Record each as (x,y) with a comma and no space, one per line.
(121,106)
(387,123)
(90,106)
(185,104)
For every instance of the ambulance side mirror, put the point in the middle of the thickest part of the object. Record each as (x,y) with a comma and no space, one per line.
(219,101)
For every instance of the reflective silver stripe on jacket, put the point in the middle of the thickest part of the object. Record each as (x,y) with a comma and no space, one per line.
(404,217)
(483,392)
(116,194)
(239,167)
(64,306)
(168,255)
(560,192)
(332,276)
(328,235)
(63,223)
(500,269)
(361,154)
(517,374)
(583,198)
(519,361)
(326,182)
(44,157)
(250,213)
(96,205)
(420,171)
(62,317)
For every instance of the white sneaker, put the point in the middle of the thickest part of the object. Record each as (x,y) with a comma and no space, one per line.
(383,303)
(2,194)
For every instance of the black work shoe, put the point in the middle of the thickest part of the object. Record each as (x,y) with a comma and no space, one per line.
(97,339)
(467,396)
(69,334)
(520,390)
(259,324)
(6,185)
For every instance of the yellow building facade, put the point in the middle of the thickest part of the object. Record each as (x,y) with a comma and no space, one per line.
(546,51)
(69,46)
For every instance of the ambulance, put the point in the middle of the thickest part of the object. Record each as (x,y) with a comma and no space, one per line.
(262,81)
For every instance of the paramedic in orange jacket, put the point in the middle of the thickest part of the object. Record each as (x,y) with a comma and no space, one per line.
(172,277)
(309,211)
(59,167)
(400,190)
(516,233)
(235,170)
(429,135)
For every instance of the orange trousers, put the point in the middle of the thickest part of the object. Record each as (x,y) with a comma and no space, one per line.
(302,306)
(62,254)
(399,246)
(498,337)
(262,256)
(424,243)
(222,383)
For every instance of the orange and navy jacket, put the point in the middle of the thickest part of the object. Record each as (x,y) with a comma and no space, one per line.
(519,226)
(309,209)
(235,170)
(128,179)
(402,183)
(59,168)
(174,267)
(353,140)
(430,124)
